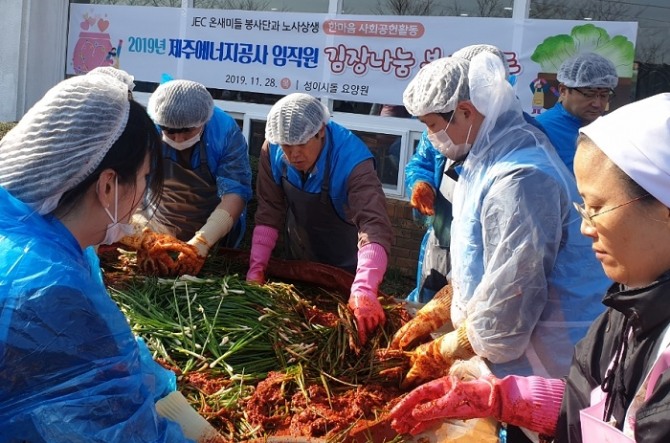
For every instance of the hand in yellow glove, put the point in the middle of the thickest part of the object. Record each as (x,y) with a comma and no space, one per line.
(176,408)
(423,198)
(429,319)
(218,225)
(433,359)
(162,254)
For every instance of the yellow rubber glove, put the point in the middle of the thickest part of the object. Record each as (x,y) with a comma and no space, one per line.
(219,223)
(428,319)
(423,198)
(176,408)
(433,359)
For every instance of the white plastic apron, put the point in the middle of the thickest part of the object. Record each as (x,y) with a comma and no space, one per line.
(436,263)
(594,429)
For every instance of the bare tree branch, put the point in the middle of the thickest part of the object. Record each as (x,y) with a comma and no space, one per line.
(404,7)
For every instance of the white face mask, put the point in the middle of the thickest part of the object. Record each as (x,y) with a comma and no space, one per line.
(180,146)
(442,142)
(115,230)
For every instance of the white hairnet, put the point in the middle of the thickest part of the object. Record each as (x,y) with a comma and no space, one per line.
(62,139)
(181,104)
(437,87)
(469,53)
(294,119)
(588,70)
(118,74)
(636,137)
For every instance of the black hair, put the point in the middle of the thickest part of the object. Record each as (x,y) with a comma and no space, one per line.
(446,115)
(126,156)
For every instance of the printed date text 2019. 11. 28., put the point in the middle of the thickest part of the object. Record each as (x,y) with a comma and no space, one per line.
(252,81)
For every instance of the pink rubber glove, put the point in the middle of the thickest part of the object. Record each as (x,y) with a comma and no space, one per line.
(263,241)
(372,261)
(530,402)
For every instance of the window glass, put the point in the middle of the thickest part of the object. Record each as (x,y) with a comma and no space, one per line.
(480,8)
(352,107)
(163,3)
(386,150)
(265,5)
(256,137)
(247,5)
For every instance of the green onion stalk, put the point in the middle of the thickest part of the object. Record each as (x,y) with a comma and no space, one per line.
(226,329)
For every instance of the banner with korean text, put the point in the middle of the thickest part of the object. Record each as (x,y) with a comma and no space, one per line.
(346,57)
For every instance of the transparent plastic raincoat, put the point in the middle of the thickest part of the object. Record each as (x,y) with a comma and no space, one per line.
(70,368)
(524,277)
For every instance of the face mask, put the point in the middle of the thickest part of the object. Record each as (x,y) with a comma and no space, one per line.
(180,146)
(442,142)
(115,230)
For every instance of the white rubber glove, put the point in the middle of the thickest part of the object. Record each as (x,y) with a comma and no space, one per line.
(219,223)
(176,408)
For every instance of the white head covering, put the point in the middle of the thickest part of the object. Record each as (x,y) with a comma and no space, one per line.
(181,104)
(294,119)
(62,139)
(469,52)
(636,137)
(588,70)
(118,74)
(437,87)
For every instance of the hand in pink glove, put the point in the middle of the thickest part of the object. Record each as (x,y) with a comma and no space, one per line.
(530,402)
(369,314)
(263,242)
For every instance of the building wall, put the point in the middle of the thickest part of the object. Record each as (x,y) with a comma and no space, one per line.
(11,23)
(34,34)
(407,237)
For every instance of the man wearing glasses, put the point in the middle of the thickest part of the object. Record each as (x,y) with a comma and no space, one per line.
(586,86)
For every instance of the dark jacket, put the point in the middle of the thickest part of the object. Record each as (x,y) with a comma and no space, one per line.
(644,313)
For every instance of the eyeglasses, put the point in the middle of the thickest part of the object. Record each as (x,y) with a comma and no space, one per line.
(588,219)
(592,94)
(175,130)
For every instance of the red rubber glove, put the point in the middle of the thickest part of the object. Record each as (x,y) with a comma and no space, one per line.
(423,198)
(530,402)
